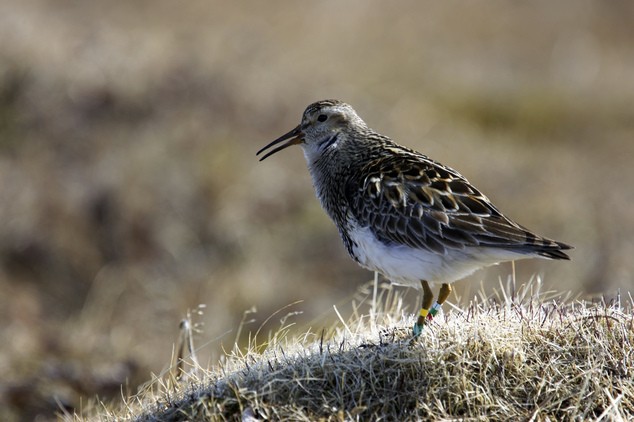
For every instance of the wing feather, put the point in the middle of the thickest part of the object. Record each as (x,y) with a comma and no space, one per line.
(408,199)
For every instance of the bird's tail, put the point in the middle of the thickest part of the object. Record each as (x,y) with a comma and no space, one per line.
(552,249)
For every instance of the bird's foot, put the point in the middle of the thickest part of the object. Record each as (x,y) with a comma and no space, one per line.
(421,322)
(424,318)
(418,329)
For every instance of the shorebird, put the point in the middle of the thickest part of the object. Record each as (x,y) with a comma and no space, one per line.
(400,213)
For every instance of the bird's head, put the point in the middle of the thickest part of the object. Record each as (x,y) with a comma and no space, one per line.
(322,125)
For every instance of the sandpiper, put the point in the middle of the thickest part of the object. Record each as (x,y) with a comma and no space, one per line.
(400,213)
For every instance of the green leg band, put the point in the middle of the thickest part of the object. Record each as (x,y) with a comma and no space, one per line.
(433,311)
(420,322)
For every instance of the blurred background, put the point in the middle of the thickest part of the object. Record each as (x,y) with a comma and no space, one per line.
(130,191)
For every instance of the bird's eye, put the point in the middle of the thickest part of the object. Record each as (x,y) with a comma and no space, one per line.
(322,118)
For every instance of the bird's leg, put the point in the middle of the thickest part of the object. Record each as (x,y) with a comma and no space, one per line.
(445,290)
(428,297)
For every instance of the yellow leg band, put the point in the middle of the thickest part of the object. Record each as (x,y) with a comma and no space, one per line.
(424,312)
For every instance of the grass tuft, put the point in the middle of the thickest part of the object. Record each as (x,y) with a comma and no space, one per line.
(517,355)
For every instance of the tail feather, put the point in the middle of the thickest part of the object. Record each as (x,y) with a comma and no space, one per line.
(554,250)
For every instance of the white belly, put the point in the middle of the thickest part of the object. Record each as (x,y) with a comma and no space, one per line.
(408,266)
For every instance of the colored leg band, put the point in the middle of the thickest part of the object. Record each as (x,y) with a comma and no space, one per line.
(424,312)
(434,310)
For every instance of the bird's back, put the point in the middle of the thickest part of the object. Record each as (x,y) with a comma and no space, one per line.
(407,199)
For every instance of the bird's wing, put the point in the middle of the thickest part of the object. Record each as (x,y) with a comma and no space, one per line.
(408,199)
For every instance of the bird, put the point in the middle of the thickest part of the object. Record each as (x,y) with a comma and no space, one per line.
(400,213)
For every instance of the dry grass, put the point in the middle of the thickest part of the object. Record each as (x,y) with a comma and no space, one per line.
(520,355)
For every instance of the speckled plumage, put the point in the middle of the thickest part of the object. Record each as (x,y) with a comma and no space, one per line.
(398,211)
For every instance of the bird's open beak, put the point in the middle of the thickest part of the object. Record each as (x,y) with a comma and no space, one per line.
(296,137)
